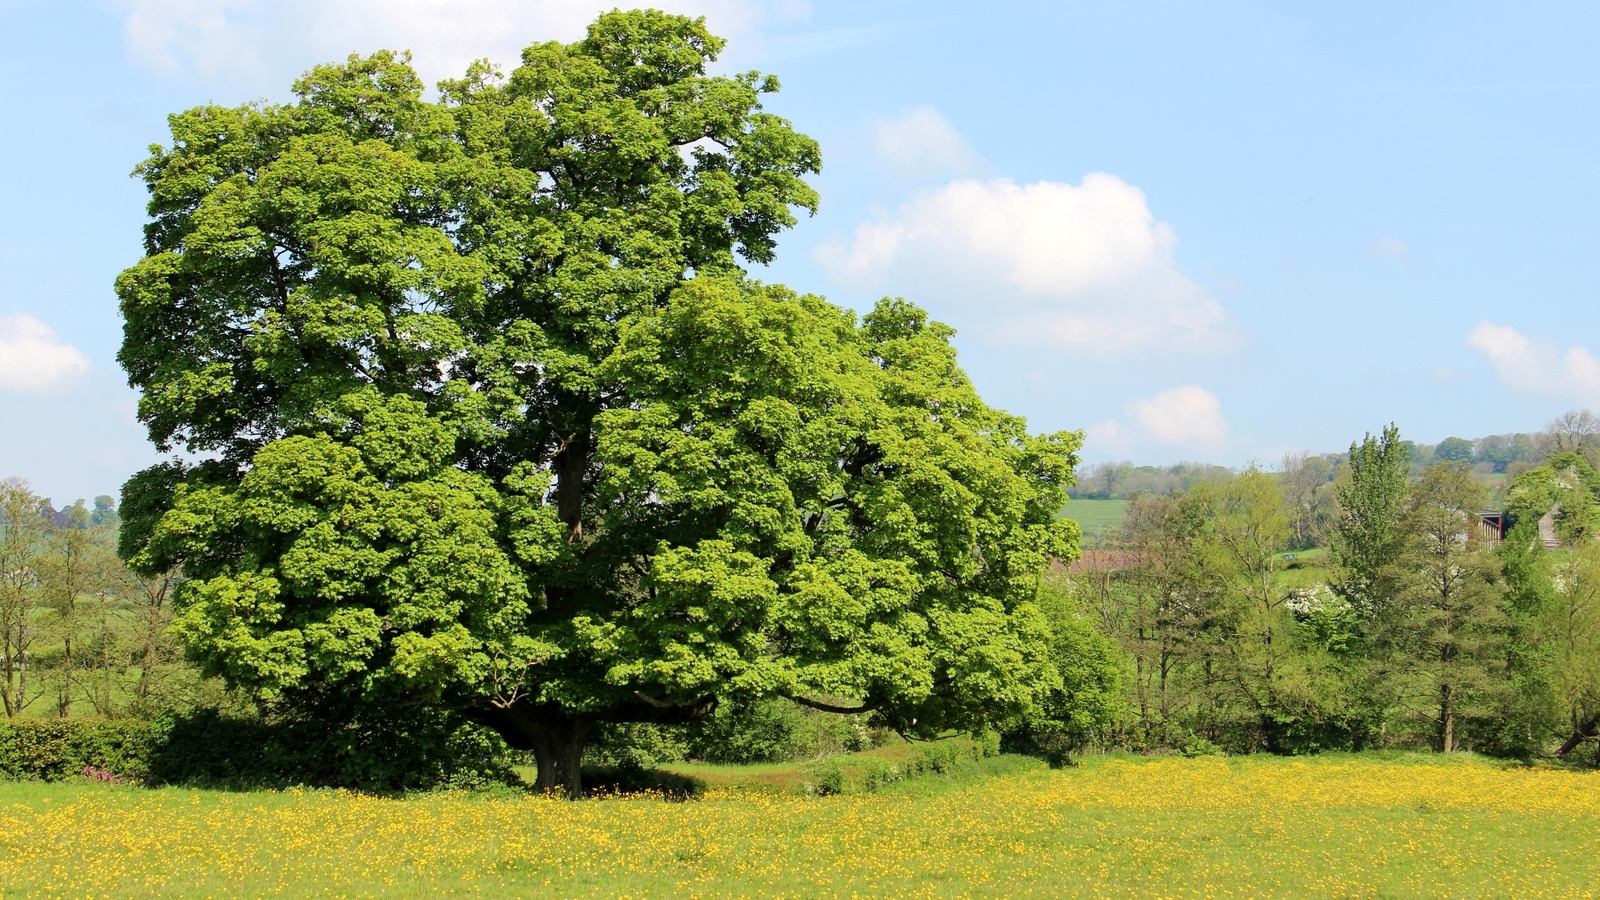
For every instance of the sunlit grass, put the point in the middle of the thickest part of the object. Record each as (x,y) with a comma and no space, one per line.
(1099,519)
(1337,826)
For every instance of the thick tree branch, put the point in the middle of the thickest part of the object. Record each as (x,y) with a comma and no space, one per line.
(824,706)
(1580,734)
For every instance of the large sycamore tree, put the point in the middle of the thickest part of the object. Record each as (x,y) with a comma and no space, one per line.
(478,411)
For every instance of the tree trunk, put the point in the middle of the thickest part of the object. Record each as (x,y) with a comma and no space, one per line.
(558,751)
(571,468)
(557,737)
(64,703)
(1580,734)
(1165,700)
(1447,719)
(1144,701)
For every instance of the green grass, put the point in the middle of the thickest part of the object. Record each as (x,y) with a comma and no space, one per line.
(1304,568)
(1098,518)
(1408,825)
(802,777)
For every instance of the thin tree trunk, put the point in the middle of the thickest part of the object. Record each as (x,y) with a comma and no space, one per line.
(9,673)
(1166,707)
(147,653)
(64,703)
(1447,719)
(16,686)
(1144,700)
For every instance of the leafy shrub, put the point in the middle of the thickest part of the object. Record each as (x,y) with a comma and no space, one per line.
(829,779)
(59,749)
(944,757)
(636,746)
(879,773)
(381,750)
(1054,746)
(838,775)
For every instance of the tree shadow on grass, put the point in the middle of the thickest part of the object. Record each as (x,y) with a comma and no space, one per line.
(632,782)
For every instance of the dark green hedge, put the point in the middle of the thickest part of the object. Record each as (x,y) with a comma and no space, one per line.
(57,749)
(388,753)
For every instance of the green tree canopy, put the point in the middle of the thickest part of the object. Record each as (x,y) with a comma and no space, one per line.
(1449,627)
(489,417)
(1565,483)
(1453,449)
(1367,536)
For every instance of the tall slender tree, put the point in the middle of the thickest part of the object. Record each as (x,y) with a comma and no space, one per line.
(1449,618)
(1367,537)
(24,545)
(1572,633)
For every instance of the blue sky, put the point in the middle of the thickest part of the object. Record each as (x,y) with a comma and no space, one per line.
(1211,231)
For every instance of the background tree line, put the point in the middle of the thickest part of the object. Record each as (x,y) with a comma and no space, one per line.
(1510,454)
(1416,626)
(79,632)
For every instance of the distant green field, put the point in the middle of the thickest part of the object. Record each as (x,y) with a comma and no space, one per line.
(1097,518)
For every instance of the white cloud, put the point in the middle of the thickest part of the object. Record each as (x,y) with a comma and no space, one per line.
(1188,418)
(1108,439)
(1188,415)
(1085,267)
(920,142)
(32,358)
(255,38)
(1526,365)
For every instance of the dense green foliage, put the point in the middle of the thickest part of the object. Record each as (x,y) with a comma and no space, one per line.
(491,420)
(1428,629)
(1368,540)
(207,748)
(59,749)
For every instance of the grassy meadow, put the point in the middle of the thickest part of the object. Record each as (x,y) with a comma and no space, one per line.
(1330,826)
(1098,518)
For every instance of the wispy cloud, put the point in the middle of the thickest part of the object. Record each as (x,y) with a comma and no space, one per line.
(803,44)
(921,142)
